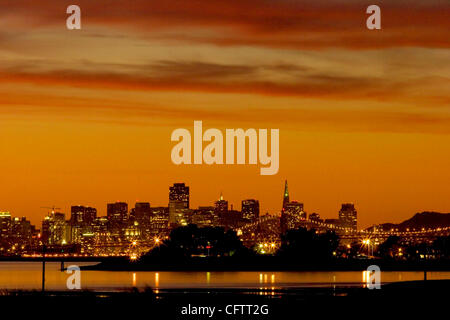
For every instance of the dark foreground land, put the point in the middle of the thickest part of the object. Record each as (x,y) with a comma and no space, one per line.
(397,300)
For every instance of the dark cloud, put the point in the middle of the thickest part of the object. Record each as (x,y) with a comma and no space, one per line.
(287,24)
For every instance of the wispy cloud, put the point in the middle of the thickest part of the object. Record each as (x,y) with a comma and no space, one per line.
(284,23)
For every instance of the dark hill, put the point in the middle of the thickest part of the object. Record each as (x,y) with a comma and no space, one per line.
(421,220)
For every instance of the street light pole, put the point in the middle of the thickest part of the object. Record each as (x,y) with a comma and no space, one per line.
(43,267)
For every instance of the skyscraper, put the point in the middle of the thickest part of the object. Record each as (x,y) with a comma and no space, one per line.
(250,209)
(55,230)
(295,208)
(178,204)
(81,221)
(292,214)
(179,192)
(117,214)
(285,196)
(5,224)
(141,212)
(81,215)
(348,216)
(221,207)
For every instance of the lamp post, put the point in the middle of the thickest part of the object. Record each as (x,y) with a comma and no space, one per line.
(44,249)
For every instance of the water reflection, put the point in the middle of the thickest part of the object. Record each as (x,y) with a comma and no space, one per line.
(156,279)
(27,275)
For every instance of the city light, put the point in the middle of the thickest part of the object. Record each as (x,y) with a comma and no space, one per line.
(124,232)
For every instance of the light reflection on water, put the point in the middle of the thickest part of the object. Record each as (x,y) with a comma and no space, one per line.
(27,275)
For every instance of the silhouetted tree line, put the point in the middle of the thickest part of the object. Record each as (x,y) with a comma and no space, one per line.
(308,245)
(298,245)
(190,241)
(393,248)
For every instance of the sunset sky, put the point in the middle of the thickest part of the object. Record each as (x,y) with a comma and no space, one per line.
(364,116)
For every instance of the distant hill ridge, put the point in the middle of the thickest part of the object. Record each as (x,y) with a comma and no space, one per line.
(426,219)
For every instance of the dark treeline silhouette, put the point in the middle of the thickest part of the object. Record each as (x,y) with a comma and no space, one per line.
(192,241)
(307,245)
(394,249)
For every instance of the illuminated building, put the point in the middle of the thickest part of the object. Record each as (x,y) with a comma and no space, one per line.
(55,229)
(178,205)
(221,206)
(178,214)
(81,215)
(205,217)
(348,216)
(133,231)
(141,212)
(250,209)
(117,211)
(315,217)
(117,214)
(179,192)
(334,222)
(292,213)
(22,234)
(285,196)
(5,224)
(140,220)
(81,221)
(159,220)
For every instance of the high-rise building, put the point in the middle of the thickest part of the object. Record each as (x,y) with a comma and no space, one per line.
(117,212)
(292,214)
(81,215)
(159,221)
(295,208)
(315,217)
(178,204)
(22,233)
(179,192)
(205,217)
(250,209)
(348,216)
(5,224)
(82,222)
(285,196)
(221,206)
(178,213)
(141,212)
(55,229)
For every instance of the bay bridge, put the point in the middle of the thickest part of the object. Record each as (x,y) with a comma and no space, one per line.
(267,229)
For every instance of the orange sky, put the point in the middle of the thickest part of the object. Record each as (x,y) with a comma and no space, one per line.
(364,116)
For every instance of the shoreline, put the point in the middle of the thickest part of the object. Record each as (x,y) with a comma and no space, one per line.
(266,265)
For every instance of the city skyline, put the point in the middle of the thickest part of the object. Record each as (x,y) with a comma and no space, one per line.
(224,158)
(131,232)
(363,115)
(102,211)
